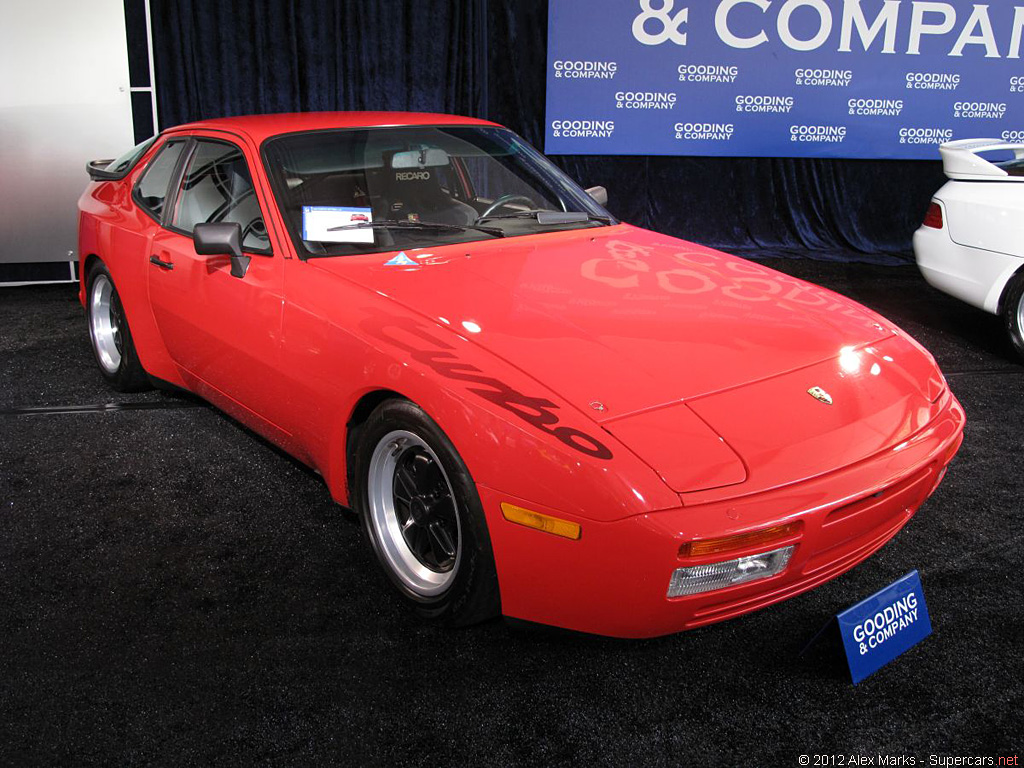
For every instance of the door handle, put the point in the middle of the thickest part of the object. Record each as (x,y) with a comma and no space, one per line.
(154,259)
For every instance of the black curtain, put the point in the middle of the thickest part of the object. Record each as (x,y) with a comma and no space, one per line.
(487,58)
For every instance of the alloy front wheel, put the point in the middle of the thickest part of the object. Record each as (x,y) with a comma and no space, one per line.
(414,513)
(422,515)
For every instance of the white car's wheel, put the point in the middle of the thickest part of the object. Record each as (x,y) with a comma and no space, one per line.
(1013,312)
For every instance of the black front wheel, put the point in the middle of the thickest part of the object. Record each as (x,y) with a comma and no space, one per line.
(1013,313)
(422,515)
(111,338)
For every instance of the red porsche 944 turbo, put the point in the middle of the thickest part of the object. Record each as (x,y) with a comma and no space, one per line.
(536,410)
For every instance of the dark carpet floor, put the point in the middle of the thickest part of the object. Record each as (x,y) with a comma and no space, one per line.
(173,590)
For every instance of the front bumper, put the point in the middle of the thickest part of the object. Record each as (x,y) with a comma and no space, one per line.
(614,579)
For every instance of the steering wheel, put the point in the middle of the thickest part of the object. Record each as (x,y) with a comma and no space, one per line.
(504,200)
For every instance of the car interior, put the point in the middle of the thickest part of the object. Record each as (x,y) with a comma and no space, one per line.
(442,180)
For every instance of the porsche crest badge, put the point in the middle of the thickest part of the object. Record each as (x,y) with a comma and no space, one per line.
(820,395)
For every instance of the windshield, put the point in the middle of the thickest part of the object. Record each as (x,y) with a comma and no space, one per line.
(345,192)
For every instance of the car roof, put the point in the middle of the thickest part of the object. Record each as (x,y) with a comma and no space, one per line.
(260,127)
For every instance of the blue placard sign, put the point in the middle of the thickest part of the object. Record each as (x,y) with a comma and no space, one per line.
(782,78)
(877,630)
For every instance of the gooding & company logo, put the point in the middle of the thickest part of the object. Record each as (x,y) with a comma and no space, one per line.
(582,129)
(779,104)
(1014,136)
(818,134)
(704,131)
(824,78)
(645,100)
(876,107)
(985,110)
(574,69)
(708,73)
(932,81)
(925,135)
(1017,84)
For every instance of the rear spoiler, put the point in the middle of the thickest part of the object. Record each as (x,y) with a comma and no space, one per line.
(97,170)
(961,161)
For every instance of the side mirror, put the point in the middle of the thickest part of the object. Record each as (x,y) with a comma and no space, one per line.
(222,240)
(600,195)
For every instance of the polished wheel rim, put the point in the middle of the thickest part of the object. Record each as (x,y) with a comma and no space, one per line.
(1020,315)
(414,514)
(105,323)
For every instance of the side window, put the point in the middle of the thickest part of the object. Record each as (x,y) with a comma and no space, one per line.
(217,187)
(151,190)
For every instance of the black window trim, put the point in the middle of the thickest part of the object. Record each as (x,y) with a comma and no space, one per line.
(137,197)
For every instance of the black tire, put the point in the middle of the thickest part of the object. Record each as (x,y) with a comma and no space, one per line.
(471,595)
(1013,313)
(125,374)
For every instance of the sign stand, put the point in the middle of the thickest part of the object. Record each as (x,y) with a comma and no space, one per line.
(876,630)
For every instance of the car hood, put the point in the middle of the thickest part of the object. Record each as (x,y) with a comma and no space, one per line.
(618,320)
(704,365)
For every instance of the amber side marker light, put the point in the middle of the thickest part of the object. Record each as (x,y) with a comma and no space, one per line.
(546,523)
(933,218)
(706,547)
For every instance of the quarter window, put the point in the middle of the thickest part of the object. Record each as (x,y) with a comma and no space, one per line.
(217,187)
(151,191)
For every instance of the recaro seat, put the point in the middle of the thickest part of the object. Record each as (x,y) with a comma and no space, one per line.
(417,193)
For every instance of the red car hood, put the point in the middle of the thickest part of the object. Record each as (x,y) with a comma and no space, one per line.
(621,316)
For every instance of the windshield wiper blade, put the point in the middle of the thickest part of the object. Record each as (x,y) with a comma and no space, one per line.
(551,217)
(405,224)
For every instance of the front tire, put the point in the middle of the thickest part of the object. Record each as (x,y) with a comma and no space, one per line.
(1013,313)
(110,335)
(422,515)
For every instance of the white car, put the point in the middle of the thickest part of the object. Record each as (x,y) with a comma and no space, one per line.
(971,244)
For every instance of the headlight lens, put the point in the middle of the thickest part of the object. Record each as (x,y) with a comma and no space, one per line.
(694,579)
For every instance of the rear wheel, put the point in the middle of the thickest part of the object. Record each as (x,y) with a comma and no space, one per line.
(110,335)
(1013,313)
(421,512)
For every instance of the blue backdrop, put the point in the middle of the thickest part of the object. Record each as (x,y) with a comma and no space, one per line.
(781,78)
(488,59)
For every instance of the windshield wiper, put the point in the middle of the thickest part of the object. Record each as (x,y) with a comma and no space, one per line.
(404,224)
(551,217)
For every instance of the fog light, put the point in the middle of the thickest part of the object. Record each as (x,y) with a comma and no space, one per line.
(695,579)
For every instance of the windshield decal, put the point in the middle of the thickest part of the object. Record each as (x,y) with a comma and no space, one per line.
(401,260)
(331,224)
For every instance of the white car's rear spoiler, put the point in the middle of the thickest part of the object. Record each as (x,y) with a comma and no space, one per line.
(960,159)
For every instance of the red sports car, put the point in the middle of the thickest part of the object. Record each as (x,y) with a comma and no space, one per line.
(536,410)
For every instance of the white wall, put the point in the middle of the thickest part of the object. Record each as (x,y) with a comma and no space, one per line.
(64,100)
